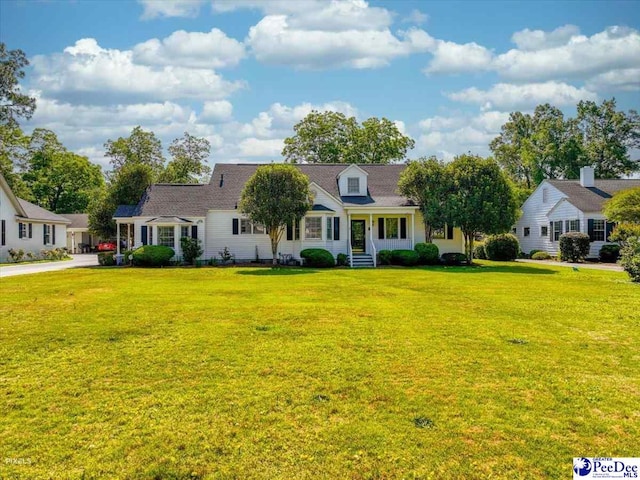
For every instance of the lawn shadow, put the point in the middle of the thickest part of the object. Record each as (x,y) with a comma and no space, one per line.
(516,268)
(277,271)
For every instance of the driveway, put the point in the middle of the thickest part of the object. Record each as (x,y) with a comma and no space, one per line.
(87,260)
(612,267)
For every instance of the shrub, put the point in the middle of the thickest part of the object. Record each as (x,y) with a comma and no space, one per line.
(191,249)
(534,251)
(623,231)
(609,253)
(630,258)
(384,257)
(152,256)
(540,255)
(479,252)
(503,247)
(454,259)
(574,246)
(106,259)
(342,260)
(225,255)
(16,255)
(317,257)
(406,258)
(428,253)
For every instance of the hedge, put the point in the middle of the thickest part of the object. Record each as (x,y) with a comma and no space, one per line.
(152,256)
(106,259)
(574,246)
(480,252)
(317,257)
(384,257)
(454,259)
(540,255)
(428,253)
(609,253)
(503,247)
(406,258)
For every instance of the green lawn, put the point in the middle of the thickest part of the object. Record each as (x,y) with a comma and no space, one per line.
(505,370)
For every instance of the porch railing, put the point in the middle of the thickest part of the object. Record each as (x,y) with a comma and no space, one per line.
(373,252)
(394,244)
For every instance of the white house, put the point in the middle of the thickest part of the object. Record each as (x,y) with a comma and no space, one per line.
(26,226)
(560,206)
(357,211)
(79,240)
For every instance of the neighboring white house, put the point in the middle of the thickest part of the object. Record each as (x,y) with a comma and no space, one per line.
(561,206)
(26,226)
(357,211)
(79,240)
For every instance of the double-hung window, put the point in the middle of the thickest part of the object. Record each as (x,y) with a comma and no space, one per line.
(329,228)
(557,230)
(598,231)
(527,231)
(166,236)
(184,231)
(22,230)
(353,185)
(544,231)
(573,225)
(47,234)
(258,229)
(313,228)
(391,228)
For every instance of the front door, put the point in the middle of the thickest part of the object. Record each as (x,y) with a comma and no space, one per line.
(357,235)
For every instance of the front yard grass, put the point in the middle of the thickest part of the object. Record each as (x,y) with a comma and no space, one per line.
(505,370)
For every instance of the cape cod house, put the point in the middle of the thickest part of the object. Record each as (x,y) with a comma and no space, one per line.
(561,206)
(28,227)
(357,211)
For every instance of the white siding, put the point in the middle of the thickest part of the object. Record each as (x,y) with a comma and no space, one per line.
(352,172)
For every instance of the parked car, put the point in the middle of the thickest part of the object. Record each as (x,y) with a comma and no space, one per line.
(107,246)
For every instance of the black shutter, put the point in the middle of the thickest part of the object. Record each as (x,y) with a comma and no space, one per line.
(19,230)
(235,226)
(403,227)
(289,231)
(3,234)
(578,225)
(609,229)
(449,232)
(566,225)
(551,234)
(590,229)
(194,231)
(143,234)
(296,230)
(53,234)
(31,230)
(336,228)
(44,233)
(380,227)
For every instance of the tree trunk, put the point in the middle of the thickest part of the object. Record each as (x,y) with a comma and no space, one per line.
(468,246)
(428,233)
(273,235)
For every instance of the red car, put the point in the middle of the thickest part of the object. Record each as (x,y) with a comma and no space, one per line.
(107,246)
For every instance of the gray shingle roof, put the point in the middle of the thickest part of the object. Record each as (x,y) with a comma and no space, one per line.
(125,211)
(592,199)
(228,180)
(192,200)
(35,212)
(78,220)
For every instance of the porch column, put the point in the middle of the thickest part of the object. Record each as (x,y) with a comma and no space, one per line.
(373,248)
(349,240)
(413,230)
(118,238)
(73,242)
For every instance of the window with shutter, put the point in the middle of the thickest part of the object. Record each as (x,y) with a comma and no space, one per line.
(3,233)
(289,231)
(403,227)
(336,228)
(143,234)
(31,230)
(194,231)
(235,226)
(380,228)
(53,234)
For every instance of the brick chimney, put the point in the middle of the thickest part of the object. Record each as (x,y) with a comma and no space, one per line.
(587,177)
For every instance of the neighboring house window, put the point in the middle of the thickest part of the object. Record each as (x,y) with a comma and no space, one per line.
(329,228)
(313,228)
(439,233)
(598,231)
(544,231)
(557,230)
(47,234)
(527,231)
(391,228)
(22,233)
(258,229)
(166,236)
(245,226)
(573,225)
(545,195)
(514,230)
(353,185)
(184,232)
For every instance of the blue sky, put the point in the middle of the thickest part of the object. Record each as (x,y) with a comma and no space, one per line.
(242,72)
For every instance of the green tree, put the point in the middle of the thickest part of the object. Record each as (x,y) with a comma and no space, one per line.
(13,103)
(609,135)
(101,210)
(331,137)
(426,181)
(481,199)
(140,147)
(624,206)
(274,196)
(13,150)
(188,163)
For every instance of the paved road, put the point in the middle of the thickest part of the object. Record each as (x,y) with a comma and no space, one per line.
(612,267)
(88,260)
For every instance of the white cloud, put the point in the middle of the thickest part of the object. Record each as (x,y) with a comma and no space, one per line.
(624,79)
(111,74)
(416,17)
(191,49)
(512,97)
(256,147)
(532,40)
(216,112)
(450,57)
(170,8)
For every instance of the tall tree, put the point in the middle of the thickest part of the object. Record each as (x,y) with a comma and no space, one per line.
(624,206)
(274,196)
(13,151)
(481,199)
(331,137)
(608,136)
(426,181)
(188,163)
(13,103)
(140,147)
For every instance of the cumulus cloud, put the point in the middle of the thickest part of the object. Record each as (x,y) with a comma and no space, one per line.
(416,17)
(170,8)
(216,112)
(256,147)
(450,57)
(532,40)
(624,79)
(191,49)
(513,97)
(108,75)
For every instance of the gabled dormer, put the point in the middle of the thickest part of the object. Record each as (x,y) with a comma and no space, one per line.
(352,182)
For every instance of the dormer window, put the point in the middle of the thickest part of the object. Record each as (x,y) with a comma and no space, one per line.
(353,185)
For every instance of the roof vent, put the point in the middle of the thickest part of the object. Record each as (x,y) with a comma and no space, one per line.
(587,177)
(221,179)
